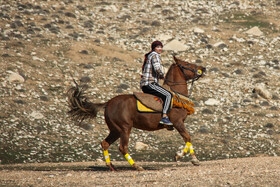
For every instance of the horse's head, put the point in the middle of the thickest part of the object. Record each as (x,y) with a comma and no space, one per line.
(190,71)
(180,73)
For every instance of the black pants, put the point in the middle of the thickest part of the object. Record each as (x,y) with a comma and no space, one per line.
(157,90)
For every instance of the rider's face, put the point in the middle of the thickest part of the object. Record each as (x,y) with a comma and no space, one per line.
(158,49)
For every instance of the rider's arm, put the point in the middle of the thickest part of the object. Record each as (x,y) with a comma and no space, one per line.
(157,66)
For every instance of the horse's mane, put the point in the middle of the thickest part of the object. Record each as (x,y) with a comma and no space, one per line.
(168,72)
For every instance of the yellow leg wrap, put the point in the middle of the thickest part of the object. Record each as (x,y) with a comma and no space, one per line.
(129,159)
(106,155)
(186,149)
(188,146)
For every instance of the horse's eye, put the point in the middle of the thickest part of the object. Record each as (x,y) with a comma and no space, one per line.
(199,72)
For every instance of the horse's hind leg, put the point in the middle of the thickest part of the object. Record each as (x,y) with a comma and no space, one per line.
(124,150)
(111,138)
(188,147)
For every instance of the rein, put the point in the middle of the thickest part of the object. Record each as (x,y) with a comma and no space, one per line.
(184,82)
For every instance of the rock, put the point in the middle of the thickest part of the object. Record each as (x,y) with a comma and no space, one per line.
(261,90)
(85,79)
(212,102)
(220,45)
(275,97)
(113,8)
(207,111)
(175,45)
(269,125)
(85,126)
(99,160)
(198,30)
(88,66)
(255,31)
(70,14)
(214,69)
(119,90)
(238,71)
(155,23)
(88,24)
(205,80)
(274,108)
(141,146)
(203,129)
(264,103)
(19,101)
(36,115)
(164,37)
(15,77)
(44,98)
(123,86)
(247,101)
(85,52)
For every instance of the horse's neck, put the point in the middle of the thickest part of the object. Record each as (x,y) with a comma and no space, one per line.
(176,80)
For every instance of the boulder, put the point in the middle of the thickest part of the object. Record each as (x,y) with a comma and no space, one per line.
(164,37)
(261,90)
(212,102)
(36,115)
(15,77)
(255,31)
(141,146)
(175,45)
(198,30)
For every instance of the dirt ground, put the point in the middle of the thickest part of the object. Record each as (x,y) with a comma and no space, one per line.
(257,171)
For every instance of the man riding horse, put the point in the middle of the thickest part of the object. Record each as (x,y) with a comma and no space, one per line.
(152,72)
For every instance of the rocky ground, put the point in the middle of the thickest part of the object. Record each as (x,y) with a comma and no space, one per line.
(102,44)
(258,171)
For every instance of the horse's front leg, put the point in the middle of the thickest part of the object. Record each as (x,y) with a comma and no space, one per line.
(188,146)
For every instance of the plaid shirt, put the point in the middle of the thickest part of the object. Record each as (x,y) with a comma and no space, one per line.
(152,70)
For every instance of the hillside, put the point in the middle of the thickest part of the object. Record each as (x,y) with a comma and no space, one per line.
(102,44)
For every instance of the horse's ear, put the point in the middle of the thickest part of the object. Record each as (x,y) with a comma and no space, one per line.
(176,59)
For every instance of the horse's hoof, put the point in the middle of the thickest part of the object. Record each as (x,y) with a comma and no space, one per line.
(177,157)
(195,162)
(111,167)
(139,168)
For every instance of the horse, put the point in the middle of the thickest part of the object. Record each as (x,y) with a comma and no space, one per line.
(121,113)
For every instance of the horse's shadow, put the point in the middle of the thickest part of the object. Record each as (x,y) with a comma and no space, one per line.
(120,168)
(90,168)
(94,169)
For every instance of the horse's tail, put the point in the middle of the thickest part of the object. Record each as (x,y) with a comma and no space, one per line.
(80,107)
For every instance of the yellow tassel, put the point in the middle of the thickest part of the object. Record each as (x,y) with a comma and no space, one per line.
(181,101)
(129,159)
(106,155)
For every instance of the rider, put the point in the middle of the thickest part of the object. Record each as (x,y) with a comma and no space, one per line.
(152,72)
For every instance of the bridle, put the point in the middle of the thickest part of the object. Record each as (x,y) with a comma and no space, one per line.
(195,78)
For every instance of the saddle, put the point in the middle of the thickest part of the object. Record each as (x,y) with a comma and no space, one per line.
(150,103)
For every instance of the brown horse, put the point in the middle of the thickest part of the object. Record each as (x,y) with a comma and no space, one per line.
(121,113)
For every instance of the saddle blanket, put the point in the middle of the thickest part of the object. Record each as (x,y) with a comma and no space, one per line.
(150,103)
(142,108)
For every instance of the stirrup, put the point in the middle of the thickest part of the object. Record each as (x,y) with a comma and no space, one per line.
(169,127)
